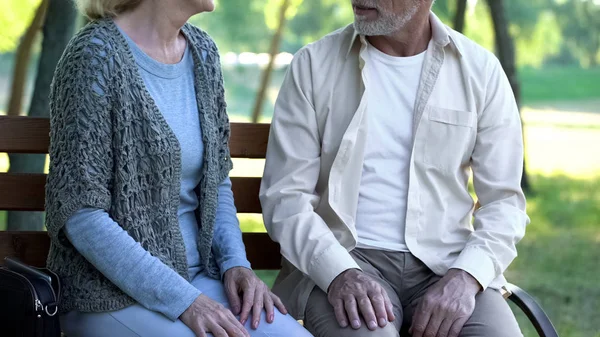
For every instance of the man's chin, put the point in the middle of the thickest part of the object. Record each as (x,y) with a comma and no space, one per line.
(364,27)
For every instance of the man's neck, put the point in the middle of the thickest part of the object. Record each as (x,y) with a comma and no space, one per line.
(412,40)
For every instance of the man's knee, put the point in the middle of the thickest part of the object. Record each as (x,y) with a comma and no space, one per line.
(492,317)
(332,329)
(321,322)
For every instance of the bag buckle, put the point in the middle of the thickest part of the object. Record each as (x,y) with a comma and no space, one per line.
(48,311)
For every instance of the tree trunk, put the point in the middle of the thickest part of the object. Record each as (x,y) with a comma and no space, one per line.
(22,56)
(58,30)
(505,49)
(459,16)
(266,75)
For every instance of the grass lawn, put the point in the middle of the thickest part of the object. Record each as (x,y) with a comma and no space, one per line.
(557,84)
(559,258)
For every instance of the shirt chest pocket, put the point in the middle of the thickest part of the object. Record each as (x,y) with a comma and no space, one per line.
(449,138)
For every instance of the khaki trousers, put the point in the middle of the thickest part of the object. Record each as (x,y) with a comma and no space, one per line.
(406,279)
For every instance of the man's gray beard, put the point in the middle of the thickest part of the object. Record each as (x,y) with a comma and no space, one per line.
(385,24)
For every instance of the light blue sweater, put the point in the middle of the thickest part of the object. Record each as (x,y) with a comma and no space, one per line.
(125,262)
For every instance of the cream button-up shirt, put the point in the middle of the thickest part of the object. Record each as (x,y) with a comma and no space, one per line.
(465,118)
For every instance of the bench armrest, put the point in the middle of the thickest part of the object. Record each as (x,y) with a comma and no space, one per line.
(534,312)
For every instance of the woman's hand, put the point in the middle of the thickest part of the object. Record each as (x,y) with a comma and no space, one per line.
(246,292)
(206,315)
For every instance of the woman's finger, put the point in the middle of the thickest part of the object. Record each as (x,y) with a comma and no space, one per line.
(269,307)
(233,327)
(216,330)
(248,301)
(233,296)
(239,326)
(199,330)
(257,308)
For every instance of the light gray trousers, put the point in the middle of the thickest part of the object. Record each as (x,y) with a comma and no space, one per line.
(406,279)
(137,321)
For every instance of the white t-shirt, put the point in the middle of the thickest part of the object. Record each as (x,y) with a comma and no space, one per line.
(393,83)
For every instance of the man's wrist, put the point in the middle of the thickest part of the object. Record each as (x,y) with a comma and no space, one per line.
(340,275)
(467,278)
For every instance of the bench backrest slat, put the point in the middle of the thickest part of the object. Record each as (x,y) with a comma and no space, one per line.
(32,135)
(24,134)
(25,192)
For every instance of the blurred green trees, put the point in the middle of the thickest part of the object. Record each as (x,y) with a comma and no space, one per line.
(545,31)
(15,17)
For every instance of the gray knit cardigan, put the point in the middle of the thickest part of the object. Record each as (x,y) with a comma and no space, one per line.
(110,148)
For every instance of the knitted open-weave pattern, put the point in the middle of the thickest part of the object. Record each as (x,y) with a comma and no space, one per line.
(112,149)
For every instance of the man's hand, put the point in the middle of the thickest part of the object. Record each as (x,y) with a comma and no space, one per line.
(446,306)
(354,290)
(245,292)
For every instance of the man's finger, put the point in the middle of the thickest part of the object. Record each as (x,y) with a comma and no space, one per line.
(233,296)
(434,325)
(352,311)
(269,307)
(445,327)
(248,301)
(420,321)
(366,309)
(389,307)
(457,327)
(340,313)
(278,304)
(378,303)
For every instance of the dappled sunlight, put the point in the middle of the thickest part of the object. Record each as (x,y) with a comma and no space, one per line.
(247,167)
(4,164)
(251,223)
(558,142)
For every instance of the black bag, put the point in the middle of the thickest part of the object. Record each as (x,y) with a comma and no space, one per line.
(28,301)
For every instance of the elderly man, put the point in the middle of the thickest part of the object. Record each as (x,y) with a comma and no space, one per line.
(376,131)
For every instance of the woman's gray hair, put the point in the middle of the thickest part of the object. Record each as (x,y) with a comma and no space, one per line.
(98,9)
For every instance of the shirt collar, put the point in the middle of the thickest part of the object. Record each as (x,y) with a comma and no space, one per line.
(440,35)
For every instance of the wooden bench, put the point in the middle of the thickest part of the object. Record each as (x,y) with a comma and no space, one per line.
(25,192)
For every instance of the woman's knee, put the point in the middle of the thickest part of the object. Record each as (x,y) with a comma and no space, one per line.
(282,326)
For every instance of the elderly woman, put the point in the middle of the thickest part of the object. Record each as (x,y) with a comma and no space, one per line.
(139,203)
